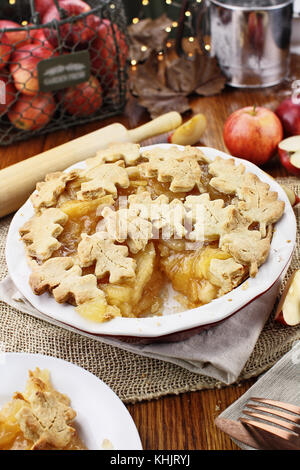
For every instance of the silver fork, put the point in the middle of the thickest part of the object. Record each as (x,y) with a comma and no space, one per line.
(275,426)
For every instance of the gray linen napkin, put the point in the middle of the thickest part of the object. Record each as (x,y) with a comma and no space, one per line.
(219,352)
(281,382)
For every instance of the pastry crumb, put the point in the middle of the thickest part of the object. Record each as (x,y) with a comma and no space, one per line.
(107,445)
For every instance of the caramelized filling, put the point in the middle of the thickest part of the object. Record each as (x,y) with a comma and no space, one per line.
(11,436)
(190,275)
(83,218)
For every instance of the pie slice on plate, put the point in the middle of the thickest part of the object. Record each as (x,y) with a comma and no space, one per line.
(40,418)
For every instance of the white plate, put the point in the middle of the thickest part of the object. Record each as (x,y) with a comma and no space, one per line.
(282,246)
(100,413)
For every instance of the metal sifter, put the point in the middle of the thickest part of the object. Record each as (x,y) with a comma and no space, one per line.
(251,40)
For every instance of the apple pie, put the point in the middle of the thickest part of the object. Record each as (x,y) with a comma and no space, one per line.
(40,418)
(110,237)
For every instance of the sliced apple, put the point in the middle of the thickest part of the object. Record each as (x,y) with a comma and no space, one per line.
(295,159)
(293,198)
(291,144)
(190,132)
(285,159)
(288,310)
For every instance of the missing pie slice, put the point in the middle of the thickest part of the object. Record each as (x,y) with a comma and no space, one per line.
(109,238)
(40,418)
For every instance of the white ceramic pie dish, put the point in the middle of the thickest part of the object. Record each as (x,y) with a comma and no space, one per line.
(170,324)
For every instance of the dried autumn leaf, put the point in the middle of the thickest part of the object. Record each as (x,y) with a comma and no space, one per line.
(148,35)
(200,74)
(162,86)
(147,85)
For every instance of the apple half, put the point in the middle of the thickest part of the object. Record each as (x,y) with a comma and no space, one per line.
(289,154)
(288,310)
(293,198)
(190,132)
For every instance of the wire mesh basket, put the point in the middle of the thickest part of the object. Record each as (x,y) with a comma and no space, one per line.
(66,67)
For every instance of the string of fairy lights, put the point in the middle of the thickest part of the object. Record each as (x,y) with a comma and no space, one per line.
(190,10)
(13,2)
(188,23)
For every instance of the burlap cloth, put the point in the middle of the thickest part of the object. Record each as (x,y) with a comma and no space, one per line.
(142,377)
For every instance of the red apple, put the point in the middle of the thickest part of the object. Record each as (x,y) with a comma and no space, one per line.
(103,53)
(9,40)
(10,93)
(289,115)
(83,99)
(14,38)
(24,66)
(287,148)
(79,31)
(253,133)
(5,50)
(41,6)
(32,112)
(288,310)
(38,36)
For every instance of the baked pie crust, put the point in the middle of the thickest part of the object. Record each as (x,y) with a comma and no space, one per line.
(108,238)
(40,418)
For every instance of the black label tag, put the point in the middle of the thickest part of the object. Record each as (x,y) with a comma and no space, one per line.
(64,71)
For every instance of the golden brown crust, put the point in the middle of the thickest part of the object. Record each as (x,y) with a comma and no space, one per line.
(64,279)
(109,258)
(48,191)
(226,273)
(247,246)
(127,224)
(103,179)
(258,203)
(227,175)
(41,231)
(179,168)
(127,151)
(210,218)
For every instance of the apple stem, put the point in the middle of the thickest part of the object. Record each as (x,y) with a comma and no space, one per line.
(253,112)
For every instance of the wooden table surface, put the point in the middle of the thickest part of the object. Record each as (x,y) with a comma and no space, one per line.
(185,421)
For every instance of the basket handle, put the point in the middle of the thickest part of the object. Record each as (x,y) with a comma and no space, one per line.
(34,14)
(62,12)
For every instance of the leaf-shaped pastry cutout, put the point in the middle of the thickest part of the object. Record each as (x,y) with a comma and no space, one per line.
(178,167)
(103,179)
(110,258)
(64,278)
(127,224)
(48,191)
(259,204)
(127,151)
(41,231)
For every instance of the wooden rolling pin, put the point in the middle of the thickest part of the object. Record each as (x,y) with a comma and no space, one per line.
(18,181)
